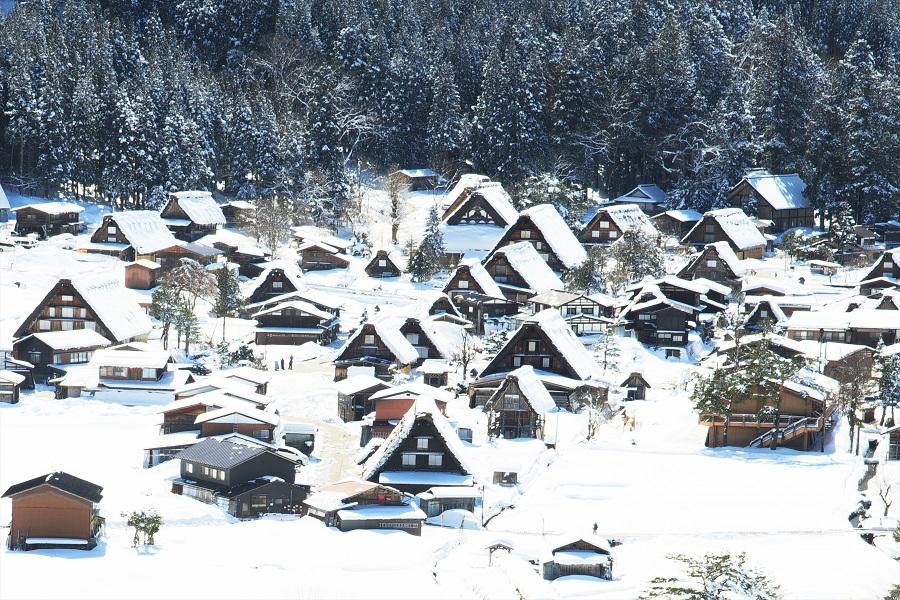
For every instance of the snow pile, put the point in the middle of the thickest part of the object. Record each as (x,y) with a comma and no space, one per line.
(564,244)
(685,215)
(526,261)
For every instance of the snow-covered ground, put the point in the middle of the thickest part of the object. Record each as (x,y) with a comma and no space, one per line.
(655,488)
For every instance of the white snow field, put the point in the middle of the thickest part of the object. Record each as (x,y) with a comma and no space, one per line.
(656,488)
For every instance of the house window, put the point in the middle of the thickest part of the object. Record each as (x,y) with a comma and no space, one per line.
(148,373)
(571,310)
(222,475)
(511,401)
(277,285)
(206,471)
(463,284)
(525,234)
(435,460)
(67,325)
(604,224)
(677,338)
(613,234)
(258,502)
(382,262)
(595,233)
(51,312)
(89,325)
(79,357)
(189,467)
(409,460)
(545,362)
(44,325)
(538,245)
(412,338)
(369,340)
(712,264)
(532,346)
(763,314)
(66,298)
(517,361)
(643,317)
(34,357)
(111,230)
(422,443)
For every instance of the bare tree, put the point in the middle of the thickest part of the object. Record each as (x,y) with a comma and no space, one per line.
(192,281)
(884,492)
(465,352)
(272,223)
(396,191)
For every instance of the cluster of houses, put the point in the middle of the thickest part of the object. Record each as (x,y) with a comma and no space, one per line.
(506,267)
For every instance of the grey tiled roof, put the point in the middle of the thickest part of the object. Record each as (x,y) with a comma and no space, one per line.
(214,453)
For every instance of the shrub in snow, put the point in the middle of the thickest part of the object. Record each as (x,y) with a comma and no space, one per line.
(713,577)
(146,525)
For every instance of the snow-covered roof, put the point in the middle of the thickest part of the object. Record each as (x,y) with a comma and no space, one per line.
(358,383)
(629,217)
(810,383)
(200,207)
(483,279)
(724,253)
(465,183)
(685,215)
(119,357)
(381,512)
(245,373)
(423,408)
(415,389)
(736,225)
(526,261)
(781,191)
(565,341)
(244,244)
(52,208)
(558,235)
(115,308)
(532,388)
(650,295)
(861,318)
(446,337)
(496,197)
(144,229)
(388,330)
(10,377)
(646,192)
(4,201)
(776,314)
(147,264)
(317,234)
(290,269)
(299,305)
(435,366)
(72,339)
(242,410)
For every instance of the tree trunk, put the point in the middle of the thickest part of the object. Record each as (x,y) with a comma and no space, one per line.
(223,328)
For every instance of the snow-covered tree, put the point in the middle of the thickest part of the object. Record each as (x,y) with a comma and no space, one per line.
(228,298)
(713,577)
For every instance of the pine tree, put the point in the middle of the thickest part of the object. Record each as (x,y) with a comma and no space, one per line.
(433,242)
(715,395)
(187,325)
(163,307)
(419,265)
(590,276)
(840,230)
(888,382)
(446,125)
(635,256)
(228,298)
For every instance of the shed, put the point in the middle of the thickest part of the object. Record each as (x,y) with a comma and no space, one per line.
(385,264)
(582,556)
(416,179)
(10,384)
(142,274)
(636,387)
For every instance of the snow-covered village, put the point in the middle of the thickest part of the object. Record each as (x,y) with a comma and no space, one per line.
(538,300)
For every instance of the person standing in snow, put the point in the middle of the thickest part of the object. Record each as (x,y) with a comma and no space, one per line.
(282,364)
(291,363)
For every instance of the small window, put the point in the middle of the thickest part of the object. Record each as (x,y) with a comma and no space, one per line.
(595,233)
(763,313)
(189,467)
(712,264)
(538,245)
(148,373)
(222,475)
(277,285)
(382,262)
(677,338)
(206,470)
(545,362)
(111,230)
(525,235)
(532,346)
(44,325)
(517,361)
(463,284)
(422,443)
(435,460)
(604,224)
(571,310)
(66,298)
(67,325)
(613,233)
(643,317)
(369,340)
(51,312)
(412,338)
(409,460)
(511,401)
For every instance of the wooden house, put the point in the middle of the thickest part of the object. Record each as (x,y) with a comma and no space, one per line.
(584,314)
(377,344)
(649,197)
(893,439)
(780,199)
(462,188)
(87,303)
(170,257)
(277,278)
(18,367)
(657,320)
(438,500)
(181,414)
(862,326)
(142,274)
(676,223)
(385,264)
(477,296)
(393,403)
(435,372)
(484,204)
(707,296)
(517,408)
(471,276)
(888,233)
(765,313)
(131,235)
(636,386)
(319,256)
(239,249)
(293,323)
(56,510)
(729,225)
(610,223)
(354,396)
(191,215)
(322,301)
(423,451)
(356,504)
(10,384)
(53,351)
(232,418)
(301,436)
(547,343)
(246,481)
(884,274)
(303,234)
(544,228)
(805,412)
(414,180)
(237,212)
(520,272)
(255,379)
(4,206)
(716,262)
(589,556)
(49,218)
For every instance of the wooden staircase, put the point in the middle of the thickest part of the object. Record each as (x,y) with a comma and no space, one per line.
(800,426)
